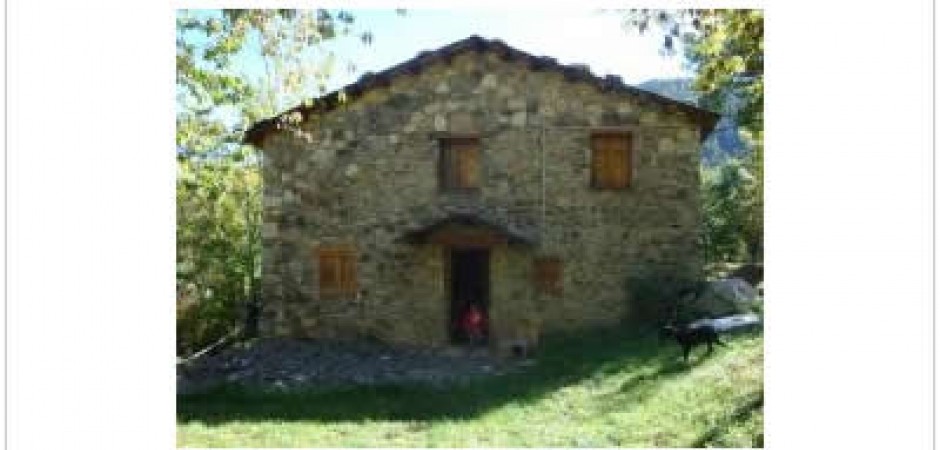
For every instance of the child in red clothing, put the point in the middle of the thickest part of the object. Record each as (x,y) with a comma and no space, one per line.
(473,323)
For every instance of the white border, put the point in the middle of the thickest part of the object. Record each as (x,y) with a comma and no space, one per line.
(90,224)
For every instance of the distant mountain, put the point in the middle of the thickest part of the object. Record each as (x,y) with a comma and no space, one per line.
(674,88)
(724,142)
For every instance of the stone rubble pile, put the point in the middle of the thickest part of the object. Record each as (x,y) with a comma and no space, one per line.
(299,363)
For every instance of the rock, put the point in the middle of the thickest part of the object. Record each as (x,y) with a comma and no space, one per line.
(667,145)
(269,229)
(736,322)
(235,376)
(440,123)
(452,352)
(517,104)
(752,273)
(724,297)
(283,363)
(735,288)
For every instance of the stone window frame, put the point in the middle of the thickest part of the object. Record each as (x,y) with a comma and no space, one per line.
(446,184)
(633,140)
(347,284)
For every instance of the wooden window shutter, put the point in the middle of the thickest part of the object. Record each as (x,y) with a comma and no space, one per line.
(619,165)
(447,166)
(468,166)
(337,271)
(329,272)
(611,165)
(460,163)
(548,277)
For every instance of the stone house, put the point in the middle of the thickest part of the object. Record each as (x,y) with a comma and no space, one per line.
(475,174)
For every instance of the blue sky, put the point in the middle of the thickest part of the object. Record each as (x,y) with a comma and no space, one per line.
(585,36)
(571,36)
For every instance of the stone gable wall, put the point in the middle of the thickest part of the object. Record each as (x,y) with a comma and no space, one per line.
(367,173)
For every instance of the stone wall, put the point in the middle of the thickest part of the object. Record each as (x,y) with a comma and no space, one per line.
(366,173)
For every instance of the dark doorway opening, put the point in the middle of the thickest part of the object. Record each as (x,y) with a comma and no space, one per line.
(470,292)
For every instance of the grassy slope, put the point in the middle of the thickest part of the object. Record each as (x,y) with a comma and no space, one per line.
(606,388)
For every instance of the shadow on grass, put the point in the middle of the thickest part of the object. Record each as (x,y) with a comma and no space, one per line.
(563,360)
(741,413)
(647,378)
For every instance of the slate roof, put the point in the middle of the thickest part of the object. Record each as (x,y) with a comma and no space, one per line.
(575,72)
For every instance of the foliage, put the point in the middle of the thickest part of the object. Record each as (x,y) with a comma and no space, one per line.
(727,201)
(218,96)
(725,48)
(219,184)
(218,244)
(753,226)
(605,388)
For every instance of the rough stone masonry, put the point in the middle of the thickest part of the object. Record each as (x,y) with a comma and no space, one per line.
(364,175)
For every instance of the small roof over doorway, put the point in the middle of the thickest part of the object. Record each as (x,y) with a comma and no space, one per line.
(469,229)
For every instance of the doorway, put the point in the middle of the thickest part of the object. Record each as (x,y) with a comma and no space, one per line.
(470,292)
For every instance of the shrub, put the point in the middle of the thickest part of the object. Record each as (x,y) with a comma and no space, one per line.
(655,296)
(203,319)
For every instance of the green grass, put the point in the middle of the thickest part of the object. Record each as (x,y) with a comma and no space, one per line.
(600,389)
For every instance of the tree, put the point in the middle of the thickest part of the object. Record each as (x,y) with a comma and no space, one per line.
(234,67)
(724,195)
(725,48)
(218,244)
(218,95)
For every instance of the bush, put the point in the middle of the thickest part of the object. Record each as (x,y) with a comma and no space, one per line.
(218,248)
(655,296)
(202,320)
(732,213)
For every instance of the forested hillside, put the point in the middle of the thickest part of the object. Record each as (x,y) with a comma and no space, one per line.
(724,141)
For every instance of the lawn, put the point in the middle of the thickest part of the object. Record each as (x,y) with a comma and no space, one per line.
(599,389)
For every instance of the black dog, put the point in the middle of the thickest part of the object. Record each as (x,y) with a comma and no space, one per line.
(691,335)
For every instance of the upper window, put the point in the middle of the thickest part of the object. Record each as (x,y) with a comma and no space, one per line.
(337,270)
(611,160)
(460,163)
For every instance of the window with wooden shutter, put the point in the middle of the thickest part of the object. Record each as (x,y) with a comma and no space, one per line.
(548,275)
(611,160)
(460,163)
(337,271)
